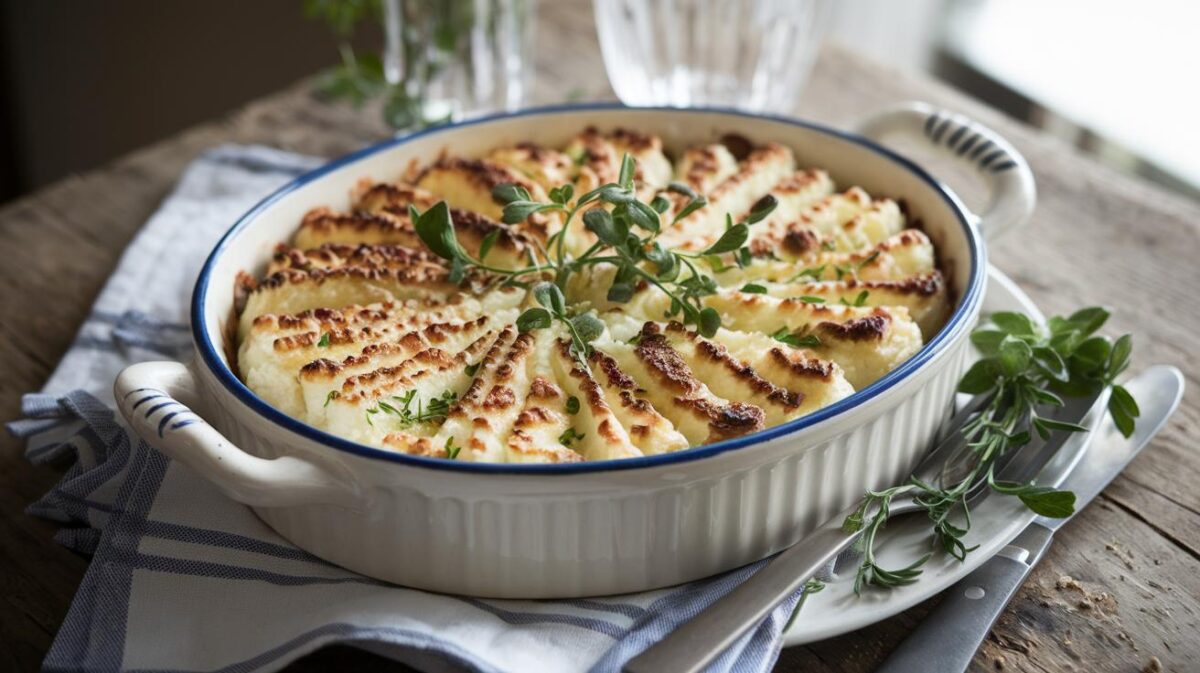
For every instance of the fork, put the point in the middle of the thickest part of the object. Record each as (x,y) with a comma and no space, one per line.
(698,642)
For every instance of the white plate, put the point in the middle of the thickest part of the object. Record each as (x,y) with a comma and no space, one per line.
(995,522)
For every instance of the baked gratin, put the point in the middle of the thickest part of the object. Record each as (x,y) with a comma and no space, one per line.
(361,329)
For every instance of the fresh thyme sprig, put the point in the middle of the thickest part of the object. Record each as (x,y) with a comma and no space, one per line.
(1025,368)
(626,230)
(403,409)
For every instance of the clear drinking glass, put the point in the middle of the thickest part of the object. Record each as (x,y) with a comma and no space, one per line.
(749,54)
(453,58)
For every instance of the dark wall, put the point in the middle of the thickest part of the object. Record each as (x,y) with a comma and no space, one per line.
(83,82)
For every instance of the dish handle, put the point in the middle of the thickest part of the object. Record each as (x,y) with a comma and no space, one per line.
(156,398)
(993,159)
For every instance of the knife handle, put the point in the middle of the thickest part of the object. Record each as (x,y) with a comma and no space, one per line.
(698,642)
(947,639)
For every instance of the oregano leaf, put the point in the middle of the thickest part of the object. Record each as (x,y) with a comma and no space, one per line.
(533,318)
(600,222)
(1050,503)
(488,241)
(709,322)
(436,230)
(733,238)
(507,192)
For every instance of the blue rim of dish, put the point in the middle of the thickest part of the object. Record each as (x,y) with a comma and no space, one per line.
(956,323)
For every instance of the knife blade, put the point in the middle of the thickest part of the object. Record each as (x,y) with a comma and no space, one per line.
(947,639)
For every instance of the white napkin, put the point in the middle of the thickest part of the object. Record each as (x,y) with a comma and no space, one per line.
(184,579)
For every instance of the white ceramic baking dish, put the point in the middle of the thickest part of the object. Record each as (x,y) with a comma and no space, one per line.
(587,528)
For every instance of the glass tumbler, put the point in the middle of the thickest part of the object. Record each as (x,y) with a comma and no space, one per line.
(749,54)
(447,59)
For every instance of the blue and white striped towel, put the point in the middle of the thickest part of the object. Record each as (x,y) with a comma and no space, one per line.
(183,579)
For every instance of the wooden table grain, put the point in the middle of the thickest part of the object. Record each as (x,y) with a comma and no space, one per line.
(1119,591)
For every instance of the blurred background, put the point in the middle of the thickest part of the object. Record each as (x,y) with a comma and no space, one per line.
(83,83)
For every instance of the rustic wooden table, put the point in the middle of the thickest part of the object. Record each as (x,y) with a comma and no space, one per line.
(1096,237)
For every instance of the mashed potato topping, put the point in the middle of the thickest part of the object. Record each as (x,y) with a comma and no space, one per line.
(357,329)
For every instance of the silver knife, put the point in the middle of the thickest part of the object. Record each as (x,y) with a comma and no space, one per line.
(948,638)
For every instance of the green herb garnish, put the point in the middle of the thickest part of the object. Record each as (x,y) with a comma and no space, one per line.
(569,436)
(843,270)
(439,407)
(323,342)
(572,405)
(408,416)
(1024,368)
(626,239)
(797,339)
(814,273)
(860,300)
(812,586)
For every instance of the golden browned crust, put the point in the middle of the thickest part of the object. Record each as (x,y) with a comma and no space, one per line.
(413,445)
(598,156)
(484,174)
(802,366)
(333,337)
(243,285)
(334,255)
(391,226)
(413,341)
(742,372)
(633,141)
(746,374)
(799,182)
(323,219)
(868,328)
(413,275)
(796,242)
(608,430)
(542,389)
(738,145)
(925,285)
(751,166)
(592,392)
(394,198)
(672,372)
(873,256)
(520,348)
(379,382)
(499,397)
(610,369)
(326,369)
(543,155)
(474,391)
(336,318)
(728,420)
(705,162)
